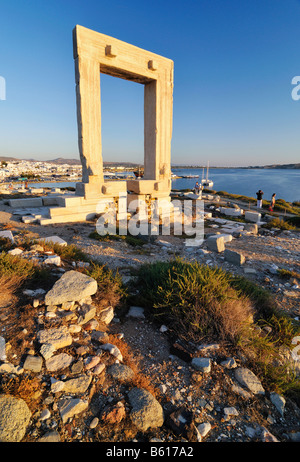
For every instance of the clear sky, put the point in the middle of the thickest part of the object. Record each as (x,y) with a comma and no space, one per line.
(234,61)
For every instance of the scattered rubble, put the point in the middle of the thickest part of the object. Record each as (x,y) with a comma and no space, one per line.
(75,353)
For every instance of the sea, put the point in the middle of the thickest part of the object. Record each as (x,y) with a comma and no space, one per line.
(284,182)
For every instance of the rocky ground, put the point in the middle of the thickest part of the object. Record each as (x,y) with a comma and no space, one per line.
(130,383)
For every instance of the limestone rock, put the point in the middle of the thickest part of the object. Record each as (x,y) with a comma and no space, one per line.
(77,385)
(33,363)
(53,260)
(86,313)
(57,337)
(249,380)
(136,312)
(53,240)
(202,364)
(106,315)
(234,257)
(14,418)
(121,372)
(113,350)
(2,349)
(72,286)
(58,362)
(204,428)
(278,401)
(7,235)
(216,244)
(146,410)
(50,437)
(68,407)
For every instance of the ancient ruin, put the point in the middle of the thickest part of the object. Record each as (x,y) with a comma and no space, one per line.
(96,53)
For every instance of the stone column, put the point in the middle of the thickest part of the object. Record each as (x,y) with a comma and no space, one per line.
(87,75)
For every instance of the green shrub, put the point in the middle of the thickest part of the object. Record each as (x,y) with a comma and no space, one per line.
(195,300)
(14,265)
(109,284)
(5,244)
(67,252)
(134,241)
(200,303)
(279,223)
(287,274)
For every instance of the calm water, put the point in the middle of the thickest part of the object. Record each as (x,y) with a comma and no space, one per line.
(285,183)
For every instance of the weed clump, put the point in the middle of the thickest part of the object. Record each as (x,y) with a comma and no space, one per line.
(279,223)
(110,286)
(197,301)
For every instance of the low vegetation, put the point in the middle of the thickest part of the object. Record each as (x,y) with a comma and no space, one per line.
(67,252)
(110,286)
(287,274)
(129,239)
(203,304)
(279,223)
(196,300)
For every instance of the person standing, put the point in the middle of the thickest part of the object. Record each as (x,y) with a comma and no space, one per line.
(272,203)
(259,196)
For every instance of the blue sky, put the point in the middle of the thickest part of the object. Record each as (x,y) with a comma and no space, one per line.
(234,61)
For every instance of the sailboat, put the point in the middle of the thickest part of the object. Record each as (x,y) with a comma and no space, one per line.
(206,183)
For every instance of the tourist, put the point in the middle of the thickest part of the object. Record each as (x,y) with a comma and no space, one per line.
(197,188)
(259,196)
(272,204)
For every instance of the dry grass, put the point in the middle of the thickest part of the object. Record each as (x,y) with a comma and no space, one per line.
(9,286)
(26,388)
(131,360)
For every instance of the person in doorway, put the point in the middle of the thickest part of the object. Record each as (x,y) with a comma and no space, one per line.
(272,203)
(259,196)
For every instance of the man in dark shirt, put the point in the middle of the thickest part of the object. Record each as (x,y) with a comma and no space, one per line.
(259,196)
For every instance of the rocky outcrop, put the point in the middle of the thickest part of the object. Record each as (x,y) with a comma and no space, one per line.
(146,411)
(14,418)
(72,286)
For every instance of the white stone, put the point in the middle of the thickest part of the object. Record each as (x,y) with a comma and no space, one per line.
(204,428)
(254,217)
(106,315)
(45,414)
(53,260)
(113,350)
(2,349)
(202,364)
(136,312)
(15,251)
(72,286)
(249,380)
(58,337)
(7,235)
(68,407)
(53,240)
(230,411)
(58,362)
(278,401)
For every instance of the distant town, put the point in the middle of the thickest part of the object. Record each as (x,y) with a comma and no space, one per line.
(13,169)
